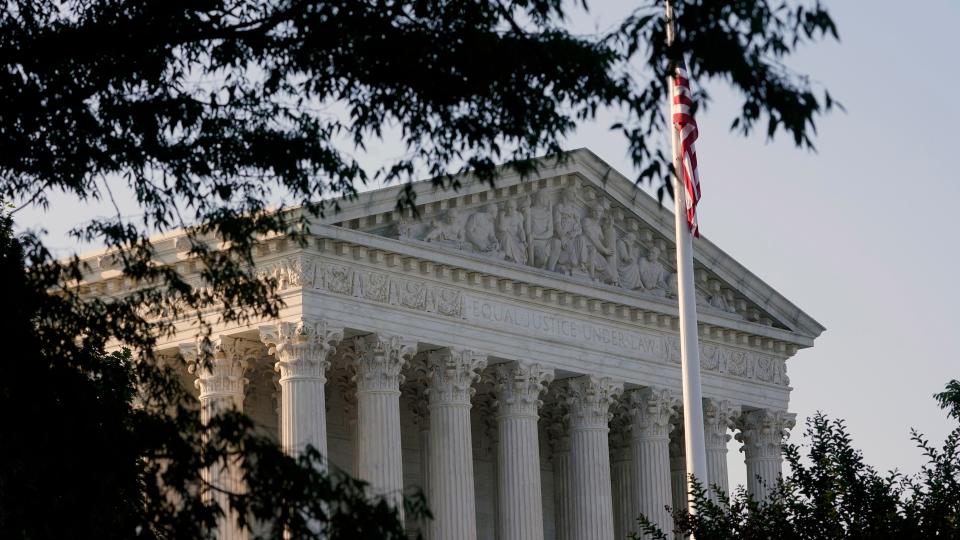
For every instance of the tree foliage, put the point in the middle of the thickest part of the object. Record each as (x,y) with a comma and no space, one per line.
(202,110)
(100,445)
(831,493)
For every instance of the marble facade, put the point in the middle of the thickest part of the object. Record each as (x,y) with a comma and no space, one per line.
(512,351)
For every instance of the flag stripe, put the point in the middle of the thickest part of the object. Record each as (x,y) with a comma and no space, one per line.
(686,126)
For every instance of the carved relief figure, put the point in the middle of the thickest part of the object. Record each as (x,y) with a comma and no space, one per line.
(718,299)
(511,232)
(653,276)
(598,250)
(573,244)
(480,231)
(444,230)
(628,257)
(543,248)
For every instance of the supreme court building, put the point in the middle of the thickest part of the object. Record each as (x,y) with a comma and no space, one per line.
(513,352)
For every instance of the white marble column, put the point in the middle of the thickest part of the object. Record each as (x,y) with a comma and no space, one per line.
(301,349)
(718,419)
(558,436)
(452,498)
(678,465)
(762,433)
(415,390)
(588,400)
(651,409)
(517,387)
(377,365)
(621,472)
(219,366)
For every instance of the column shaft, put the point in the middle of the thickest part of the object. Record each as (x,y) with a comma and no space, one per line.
(762,433)
(452,373)
(589,399)
(219,366)
(379,457)
(562,491)
(520,506)
(624,521)
(651,410)
(718,418)
(379,449)
(678,468)
(301,349)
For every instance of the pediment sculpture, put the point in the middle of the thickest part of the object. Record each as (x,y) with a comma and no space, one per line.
(568,230)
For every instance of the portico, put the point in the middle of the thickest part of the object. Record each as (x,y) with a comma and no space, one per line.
(481,351)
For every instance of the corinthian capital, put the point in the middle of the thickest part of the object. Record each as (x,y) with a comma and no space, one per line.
(452,374)
(651,410)
(762,432)
(719,416)
(518,386)
(301,347)
(589,398)
(379,360)
(219,364)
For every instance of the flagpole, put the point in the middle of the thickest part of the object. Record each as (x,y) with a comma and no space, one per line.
(695,448)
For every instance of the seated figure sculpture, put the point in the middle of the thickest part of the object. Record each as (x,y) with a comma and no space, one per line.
(444,230)
(628,261)
(654,277)
(480,231)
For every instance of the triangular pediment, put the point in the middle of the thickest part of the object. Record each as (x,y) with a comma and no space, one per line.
(580,219)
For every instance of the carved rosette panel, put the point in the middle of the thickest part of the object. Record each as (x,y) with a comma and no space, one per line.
(719,416)
(220,364)
(589,399)
(651,410)
(518,387)
(452,374)
(302,347)
(762,432)
(379,361)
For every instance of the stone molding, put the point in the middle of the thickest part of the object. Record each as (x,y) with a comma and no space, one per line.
(763,431)
(518,387)
(452,373)
(302,347)
(379,360)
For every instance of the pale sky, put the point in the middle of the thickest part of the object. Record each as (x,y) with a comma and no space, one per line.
(860,235)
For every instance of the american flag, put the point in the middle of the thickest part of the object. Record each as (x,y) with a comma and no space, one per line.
(686,126)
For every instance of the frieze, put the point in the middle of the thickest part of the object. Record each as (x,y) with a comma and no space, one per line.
(387,289)
(650,346)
